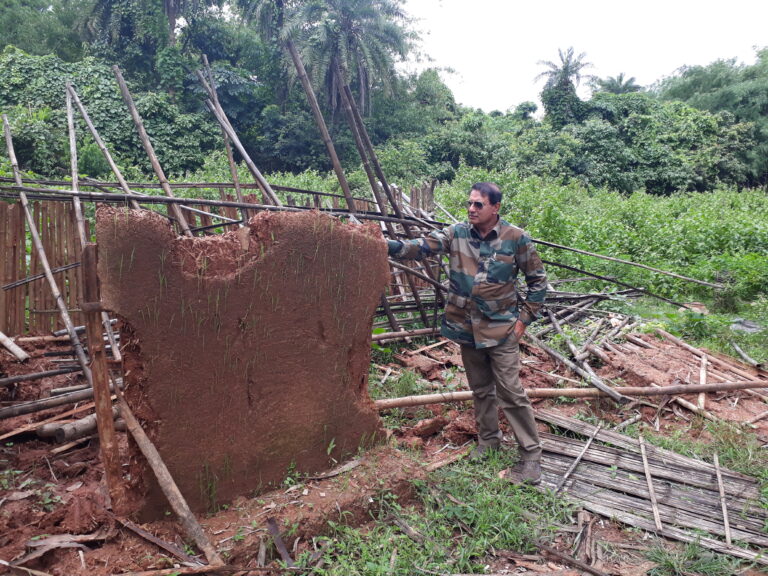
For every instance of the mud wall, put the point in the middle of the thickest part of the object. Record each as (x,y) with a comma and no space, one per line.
(247,353)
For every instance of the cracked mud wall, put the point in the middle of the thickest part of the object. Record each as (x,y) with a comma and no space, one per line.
(247,354)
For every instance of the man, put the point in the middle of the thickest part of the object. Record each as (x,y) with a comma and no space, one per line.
(487,316)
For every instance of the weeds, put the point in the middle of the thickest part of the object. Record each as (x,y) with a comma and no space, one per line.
(691,559)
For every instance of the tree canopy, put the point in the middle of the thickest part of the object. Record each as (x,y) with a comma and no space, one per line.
(704,127)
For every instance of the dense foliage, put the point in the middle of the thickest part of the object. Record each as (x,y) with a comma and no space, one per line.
(699,130)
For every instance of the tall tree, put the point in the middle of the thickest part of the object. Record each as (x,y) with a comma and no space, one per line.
(351,42)
(562,105)
(617,84)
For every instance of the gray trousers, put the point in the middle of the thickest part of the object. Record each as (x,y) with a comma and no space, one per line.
(494,378)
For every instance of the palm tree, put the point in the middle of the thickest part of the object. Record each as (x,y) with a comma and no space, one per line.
(561,103)
(269,17)
(617,85)
(568,70)
(351,42)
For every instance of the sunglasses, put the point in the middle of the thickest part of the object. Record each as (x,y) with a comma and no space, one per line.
(477,205)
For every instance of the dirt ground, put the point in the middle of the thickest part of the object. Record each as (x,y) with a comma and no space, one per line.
(47,490)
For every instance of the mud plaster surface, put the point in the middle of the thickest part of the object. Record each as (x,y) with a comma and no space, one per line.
(247,354)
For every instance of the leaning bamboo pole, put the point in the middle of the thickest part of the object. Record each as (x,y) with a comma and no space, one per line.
(79,211)
(60,304)
(144,137)
(227,145)
(290,47)
(629,263)
(100,143)
(221,118)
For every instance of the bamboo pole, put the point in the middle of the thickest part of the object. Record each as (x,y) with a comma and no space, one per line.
(389,403)
(404,334)
(102,396)
(10,380)
(649,480)
(45,403)
(227,145)
(221,118)
(168,485)
(79,209)
(80,353)
(320,121)
(578,458)
(100,143)
(144,137)
(619,260)
(721,490)
(13,348)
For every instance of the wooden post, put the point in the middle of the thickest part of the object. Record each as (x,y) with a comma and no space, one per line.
(43,259)
(144,137)
(91,306)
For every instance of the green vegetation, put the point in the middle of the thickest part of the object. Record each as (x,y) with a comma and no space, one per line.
(455,524)
(672,177)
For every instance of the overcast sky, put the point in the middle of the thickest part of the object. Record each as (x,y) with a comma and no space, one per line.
(495,45)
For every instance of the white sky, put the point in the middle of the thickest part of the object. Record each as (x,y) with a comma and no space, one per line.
(495,45)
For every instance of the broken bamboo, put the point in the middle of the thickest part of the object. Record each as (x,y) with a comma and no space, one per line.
(13,348)
(596,382)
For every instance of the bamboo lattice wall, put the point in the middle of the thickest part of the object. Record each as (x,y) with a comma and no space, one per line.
(30,307)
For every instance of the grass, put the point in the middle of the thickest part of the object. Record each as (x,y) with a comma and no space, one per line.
(464,511)
(690,559)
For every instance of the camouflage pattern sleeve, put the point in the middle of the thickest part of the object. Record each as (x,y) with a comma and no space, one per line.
(529,263)
(436,242)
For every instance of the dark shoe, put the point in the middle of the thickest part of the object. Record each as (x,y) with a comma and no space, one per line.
(482,452)
(530,472)
(524,472)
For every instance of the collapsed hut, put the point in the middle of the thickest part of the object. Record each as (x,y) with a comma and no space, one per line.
(231,338)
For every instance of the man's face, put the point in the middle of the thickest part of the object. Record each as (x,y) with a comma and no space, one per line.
(481,213)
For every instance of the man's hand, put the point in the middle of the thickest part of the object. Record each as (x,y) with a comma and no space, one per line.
(519,330)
